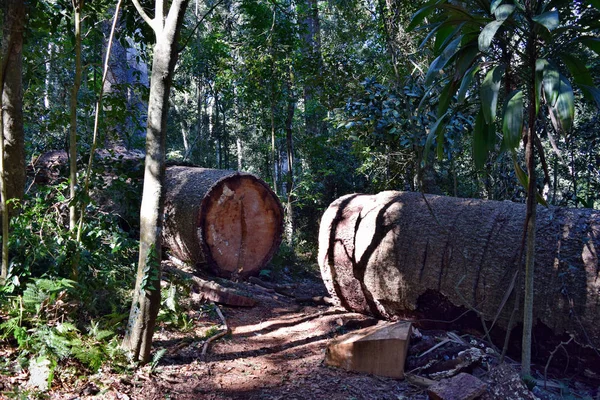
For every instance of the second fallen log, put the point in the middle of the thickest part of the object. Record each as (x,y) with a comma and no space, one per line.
(387,254)
(229,220)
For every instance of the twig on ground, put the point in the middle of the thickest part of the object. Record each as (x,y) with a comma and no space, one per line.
(218,335)
(561,345)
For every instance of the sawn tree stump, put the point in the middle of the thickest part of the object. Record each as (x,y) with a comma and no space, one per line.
(229,220)
(382,254)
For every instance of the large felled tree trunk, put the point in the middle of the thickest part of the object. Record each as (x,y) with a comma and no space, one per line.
(229,220)
(380,254)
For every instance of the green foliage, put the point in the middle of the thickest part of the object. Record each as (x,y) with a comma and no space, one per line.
(171,312)
(44,312)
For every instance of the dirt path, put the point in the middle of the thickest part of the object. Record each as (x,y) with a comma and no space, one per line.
(275,351)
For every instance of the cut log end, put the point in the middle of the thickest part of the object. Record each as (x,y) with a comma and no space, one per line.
(241,221)
(229,220)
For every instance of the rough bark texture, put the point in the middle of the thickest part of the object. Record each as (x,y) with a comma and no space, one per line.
(229,220)
(12,98)
(380,253)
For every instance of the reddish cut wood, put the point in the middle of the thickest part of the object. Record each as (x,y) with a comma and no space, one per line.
(229,220)
(378,350)
(380,254)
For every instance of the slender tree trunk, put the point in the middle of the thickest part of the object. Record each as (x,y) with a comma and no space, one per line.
(48,66)
(77,6)
(574,174)
(14,143)
(531,214)
(240,156)
(12,146)
(273,146)
(4,272)
(387,24)
(146,297)
(309,15)
(225,137)
(88,173)
(289,212)
(555,180)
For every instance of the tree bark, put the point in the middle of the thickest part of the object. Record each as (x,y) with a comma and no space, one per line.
(12,149)
(381,254)
(12,99)
(77,6)
(289,140)
(229,220)
(146,297)
(531,216)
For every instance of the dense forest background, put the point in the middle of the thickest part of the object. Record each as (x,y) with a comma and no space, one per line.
(318,98)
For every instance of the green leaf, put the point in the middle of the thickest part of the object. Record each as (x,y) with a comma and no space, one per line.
(540,65)
(432,32)
(592,43)
(521,175)
(446,96)
(487,35)
(480,141)
(444,33)
(591,92)
(548,19)
(551,82)
(512,122)
(489,92)
(466,82)
(464,59)
(441,61)
(504,11)
(494,5)
(422,13)
(565,105)
(524,180)
(433,133)
(580,73)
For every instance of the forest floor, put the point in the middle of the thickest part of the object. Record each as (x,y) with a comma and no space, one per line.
(276,350)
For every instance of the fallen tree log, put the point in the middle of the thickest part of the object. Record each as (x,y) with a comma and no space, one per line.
(229,220)
(212,291)
(382,254)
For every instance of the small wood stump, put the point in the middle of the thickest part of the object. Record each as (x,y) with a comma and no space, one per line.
(378,350)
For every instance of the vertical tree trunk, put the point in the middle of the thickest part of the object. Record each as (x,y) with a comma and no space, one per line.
(289,210)
(240,155)
(77,6)
(146,297)
(12,102)
(273,146)
(387,24)
(531,213)
(309,16)
(94,144)
(12,147)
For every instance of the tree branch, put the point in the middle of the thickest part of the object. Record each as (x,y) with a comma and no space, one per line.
(143,14)
(198,24)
